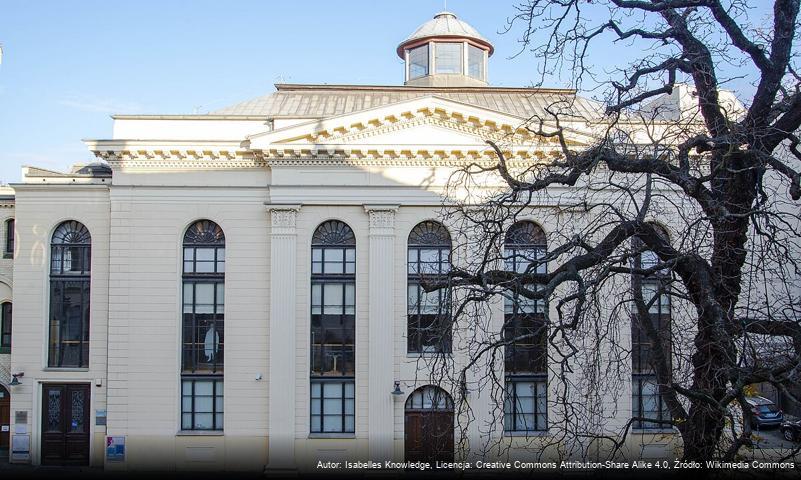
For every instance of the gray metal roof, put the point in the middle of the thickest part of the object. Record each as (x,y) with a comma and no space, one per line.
(445,24)
(322,101)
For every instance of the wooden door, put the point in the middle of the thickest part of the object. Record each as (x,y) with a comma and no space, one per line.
(5,417)
(65,424)
(429,436)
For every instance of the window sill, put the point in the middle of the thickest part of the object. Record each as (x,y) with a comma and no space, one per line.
(332,435)
(531,433)
(200,433)
(65,369)
(654,431)
(428,354)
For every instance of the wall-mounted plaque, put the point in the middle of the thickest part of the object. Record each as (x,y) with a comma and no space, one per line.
(21,448)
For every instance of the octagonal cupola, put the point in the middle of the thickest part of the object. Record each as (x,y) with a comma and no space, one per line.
(445,52)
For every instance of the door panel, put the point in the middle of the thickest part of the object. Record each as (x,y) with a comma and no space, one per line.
(429,436)
(65,424)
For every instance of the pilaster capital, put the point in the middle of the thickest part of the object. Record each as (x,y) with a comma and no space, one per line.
(382,219)
(283,218)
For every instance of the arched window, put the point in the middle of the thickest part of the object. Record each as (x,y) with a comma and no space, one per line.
(9,250)
(333,328)
(203,326)
(429,397)
(429,319)
(647,401)
(70,278)
(525,331)
(5,327)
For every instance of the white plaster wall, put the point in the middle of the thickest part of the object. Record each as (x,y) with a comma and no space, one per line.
(147,227)
(42,209)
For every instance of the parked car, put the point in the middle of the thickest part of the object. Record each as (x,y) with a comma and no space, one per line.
(791,431)
(765,412)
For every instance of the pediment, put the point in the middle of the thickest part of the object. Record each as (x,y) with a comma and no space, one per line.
(429,123)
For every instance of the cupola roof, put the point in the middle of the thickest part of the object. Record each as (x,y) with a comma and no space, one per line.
(445,25)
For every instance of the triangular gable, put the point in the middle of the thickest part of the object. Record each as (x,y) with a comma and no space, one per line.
(428,121)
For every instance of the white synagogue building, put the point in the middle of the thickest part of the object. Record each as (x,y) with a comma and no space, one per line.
(241,289)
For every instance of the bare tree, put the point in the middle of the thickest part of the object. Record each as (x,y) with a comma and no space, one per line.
(648,208)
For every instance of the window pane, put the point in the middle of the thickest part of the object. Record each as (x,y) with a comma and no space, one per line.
(418,62)
(475,62)
(205,403)
(317,299)
(448,57)
(332,423)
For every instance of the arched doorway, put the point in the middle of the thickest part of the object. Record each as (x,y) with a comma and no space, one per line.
(5,419)
(429,425)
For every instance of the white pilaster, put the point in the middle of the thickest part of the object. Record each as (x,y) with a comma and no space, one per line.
(283,267)
(381,423)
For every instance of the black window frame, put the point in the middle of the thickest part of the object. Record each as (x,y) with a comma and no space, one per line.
(343,413)
(202,235)
(70,268)
(218,392)
(660,318)
(10,234)
(6,319)
(329,237)
(428,333)
(525,326)
(511,404)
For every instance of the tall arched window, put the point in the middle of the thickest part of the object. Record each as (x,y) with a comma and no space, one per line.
(333,328)
(647,401)
(70,278)
(9,247)
(203,327)
(429,316)
(525,331)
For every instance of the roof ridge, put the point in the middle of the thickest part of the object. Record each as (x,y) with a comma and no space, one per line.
(288,87)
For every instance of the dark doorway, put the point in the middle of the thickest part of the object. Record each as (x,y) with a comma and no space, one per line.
(429,425)
(65,424)
(5,419)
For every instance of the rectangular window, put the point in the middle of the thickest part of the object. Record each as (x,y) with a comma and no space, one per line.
(71,260)
(333,406)
(69,323)
(333,261)
(9,252)
(201,404)
(525,408)
(647,403)
(475,62)
(527,337)
(5,328)
(429,328)
(418,62)
(204,260)
(646,400)
(448,57)
(333,328)
(203,326)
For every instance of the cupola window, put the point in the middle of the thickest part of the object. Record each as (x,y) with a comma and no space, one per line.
(418,61)
(475,62)
(448,57)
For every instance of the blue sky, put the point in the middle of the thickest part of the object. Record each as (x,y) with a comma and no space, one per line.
(68,65)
